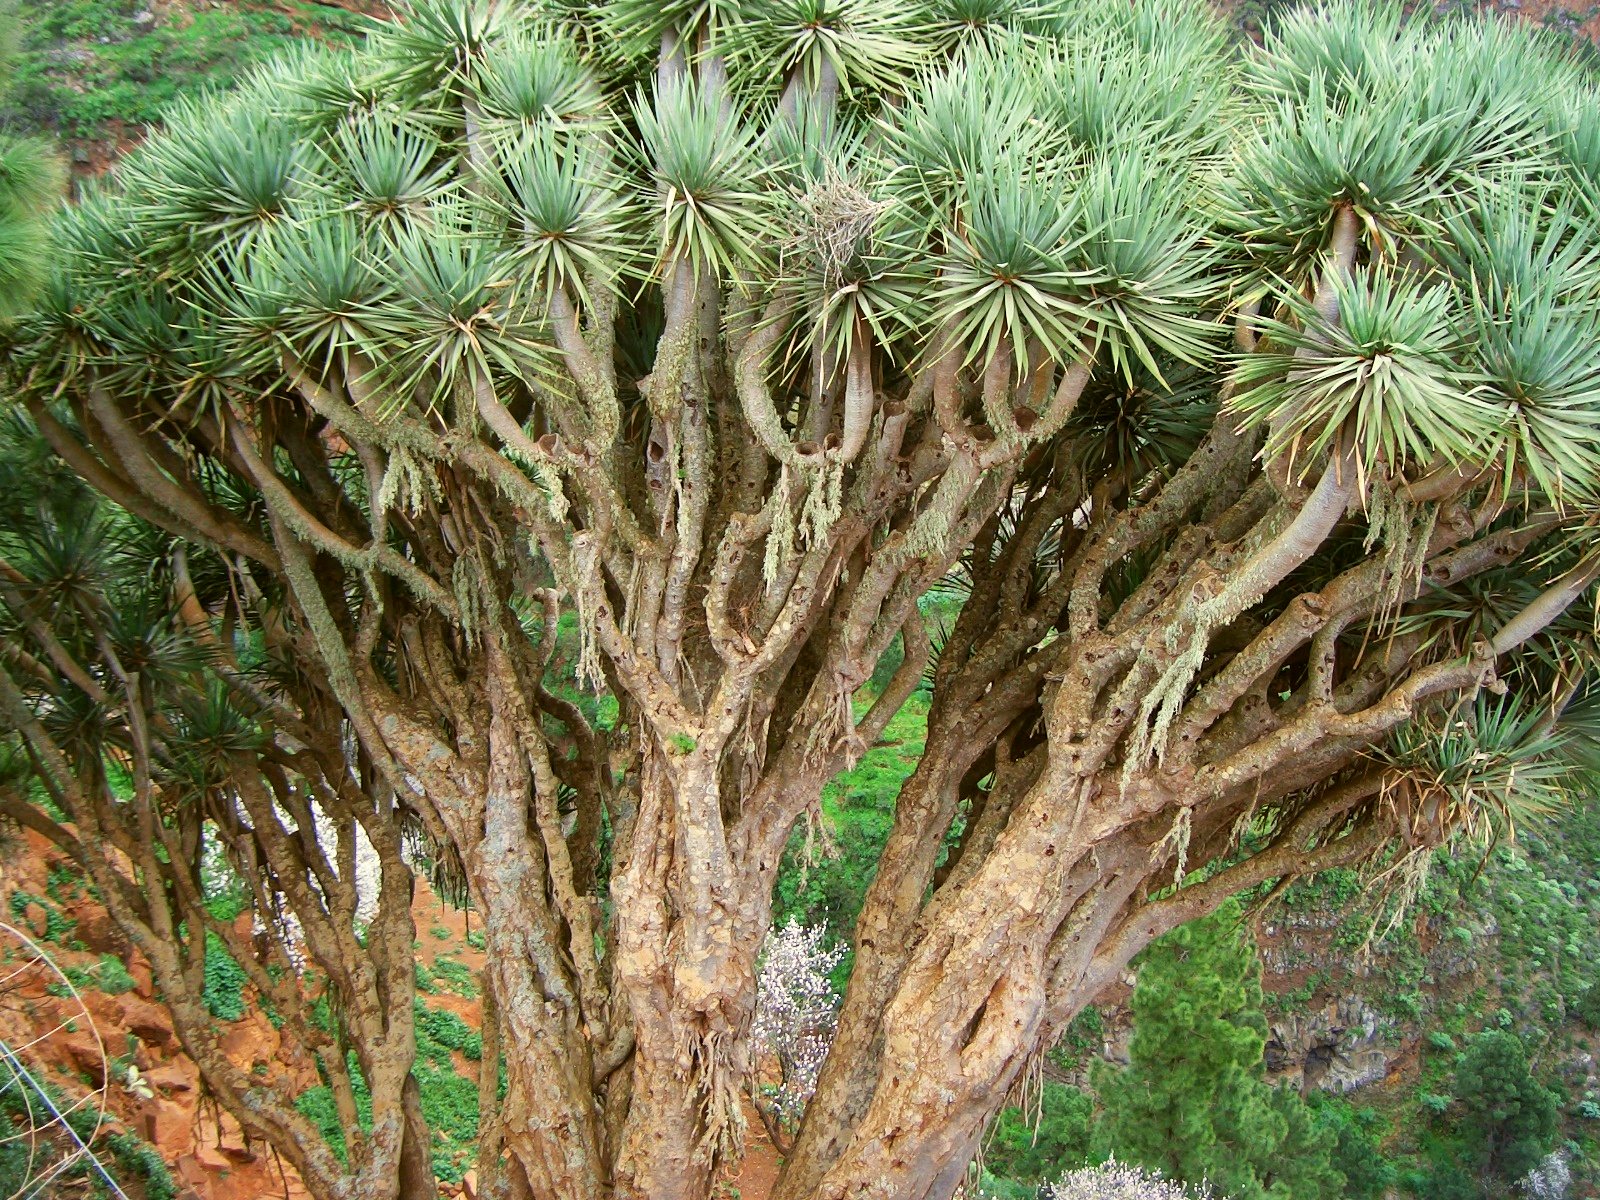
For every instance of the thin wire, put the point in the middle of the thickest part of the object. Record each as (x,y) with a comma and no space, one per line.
(21,1072)
(16,1065)
(31,1133)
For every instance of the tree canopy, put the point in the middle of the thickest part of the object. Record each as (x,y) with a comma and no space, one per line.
(1508,1117)
(1246,403)
(1193,1102)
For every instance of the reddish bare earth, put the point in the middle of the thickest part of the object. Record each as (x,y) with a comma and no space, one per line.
(204,1148)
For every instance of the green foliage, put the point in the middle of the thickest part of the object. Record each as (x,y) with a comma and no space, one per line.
(450,1106)
(317,1105)
(1508,1118)
(1357,1153)
(457,977)
(223,993)
(112,977)
(64,885)
(140,1160)
(1524,920)
(228,905)
(825,872)
(1194,1102)
(1587,1008)
(440,1031)
(1448,1181)
(31,183)
(137,1164)
(1084,1037)
(86,67)
(449,1101)
(703,167)
(57,925)
(1302,1163)
(1034,1145)
(1498,765)
(1413,328)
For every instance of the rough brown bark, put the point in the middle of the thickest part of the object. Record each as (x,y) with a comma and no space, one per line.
(1152,654)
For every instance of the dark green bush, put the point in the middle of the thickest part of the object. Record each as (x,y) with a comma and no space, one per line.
(1033,1148)
(223,993)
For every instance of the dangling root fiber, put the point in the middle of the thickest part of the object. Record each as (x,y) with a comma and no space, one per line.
(837,730)
(715,1076)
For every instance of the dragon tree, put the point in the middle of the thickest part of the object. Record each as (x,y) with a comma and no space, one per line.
(1249,398)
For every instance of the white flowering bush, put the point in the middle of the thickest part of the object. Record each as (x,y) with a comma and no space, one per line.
(796,1011)
(1121,1181)
(1550,1180)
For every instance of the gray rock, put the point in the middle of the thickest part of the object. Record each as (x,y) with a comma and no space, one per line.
(1338,1048)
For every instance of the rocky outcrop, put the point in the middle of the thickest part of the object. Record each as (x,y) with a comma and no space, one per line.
(1339,1047)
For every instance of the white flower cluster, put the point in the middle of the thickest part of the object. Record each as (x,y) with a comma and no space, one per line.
(796,1011)
(217,876)
(1550,1180)
(1120,1181)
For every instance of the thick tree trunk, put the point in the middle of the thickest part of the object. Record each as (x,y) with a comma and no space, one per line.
(549,1117)
(963,1022)
(687,970)
(980,998)
(661,1153)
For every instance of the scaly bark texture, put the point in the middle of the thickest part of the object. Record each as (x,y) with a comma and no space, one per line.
(685,349)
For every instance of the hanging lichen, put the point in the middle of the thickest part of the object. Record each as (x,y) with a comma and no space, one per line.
(587,587)
(469,580)
(1404,530)
(824,500)
(1161,704)
(780,539)
(407,481)
(1176,844)
(930,531)
(550,483)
